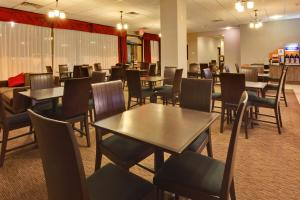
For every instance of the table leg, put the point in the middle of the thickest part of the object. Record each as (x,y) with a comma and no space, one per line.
(158,163)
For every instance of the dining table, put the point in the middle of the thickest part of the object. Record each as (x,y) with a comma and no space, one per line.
(166,128)
(151,80)
(44,94)
(255,85)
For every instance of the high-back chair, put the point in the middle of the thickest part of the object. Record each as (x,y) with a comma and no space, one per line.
(232,87)
(64,171)
(152,69)
(97,67)
(202,67)
(63,72)
(124,152)
(194,70)
(117,73)
(216,96)
(41,81)
(195,176)
(135,89)
(237,68)
(77,71)
(49,69)
(98,77)
(251,73)
(169,73)
(10,121)
(196,94)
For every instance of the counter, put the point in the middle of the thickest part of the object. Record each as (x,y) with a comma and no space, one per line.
(293,74)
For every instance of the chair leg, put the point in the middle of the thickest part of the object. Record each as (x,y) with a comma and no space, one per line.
(129,102)
(284,97)
(91,115)
(87,131)
(277,120)
(246,123)
(98,159)
(213,105)
(3,146)
(222,119)
(279,113)
(81,128)
(232,191)
(209,145)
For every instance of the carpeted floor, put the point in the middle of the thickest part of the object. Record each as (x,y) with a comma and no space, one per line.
(267,164)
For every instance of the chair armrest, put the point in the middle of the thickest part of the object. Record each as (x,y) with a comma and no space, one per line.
(3,83)
(20,102)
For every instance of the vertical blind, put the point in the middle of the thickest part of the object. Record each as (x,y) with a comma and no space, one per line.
(27,48)
(154,51)
(23,48)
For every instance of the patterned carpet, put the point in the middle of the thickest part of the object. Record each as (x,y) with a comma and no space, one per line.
(267,164)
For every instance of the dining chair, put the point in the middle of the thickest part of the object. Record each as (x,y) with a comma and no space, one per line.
(172,92)
(63,72)
(64,170)
(152,69)
(196,94)
(97,67)
(251,73)
(49,69)
(10,121)
(124,152)
(216,96)
(232,87)
(273,86)
(135,89)
(169,73)
(272,103)
(75,105)
(117,74)
(237,68)
(158,68)
(194,70)
(202,67)
(77,71)
(195,176)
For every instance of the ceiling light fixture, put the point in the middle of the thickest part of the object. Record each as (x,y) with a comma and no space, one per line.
(256,23)
(228,28)
(56,13)
(240,5)
(121,25)
(12,24)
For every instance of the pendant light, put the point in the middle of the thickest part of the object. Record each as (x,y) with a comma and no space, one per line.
(256,24)
(56,13)
(121,25)
(240,5)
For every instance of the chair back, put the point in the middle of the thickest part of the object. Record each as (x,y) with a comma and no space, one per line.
(227,69)
(251,73)
(117,73)
(194,67)
(108,99)
(63,68)
(231,153)
(49,69)
(207,73)
(237,67)
(145,66)
(62,164)
(98,77)
(85,71)
(158,68)
(281,84)
(202,67)
(232,87)
(77,71)
(152,70)
(177,82)
(97,67)
(76,97)
(169,73)
(41,81)
(196,94)
(134,83)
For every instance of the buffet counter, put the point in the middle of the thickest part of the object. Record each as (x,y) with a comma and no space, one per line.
(293,74)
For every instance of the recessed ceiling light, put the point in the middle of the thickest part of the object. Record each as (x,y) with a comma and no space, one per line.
(228,28)
(274,17)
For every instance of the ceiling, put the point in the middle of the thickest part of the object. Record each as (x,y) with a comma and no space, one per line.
(200,13)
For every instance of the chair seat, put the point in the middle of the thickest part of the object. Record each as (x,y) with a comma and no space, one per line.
(58,114)
(147,92)
(198,142)
(15,121)
(126,150)
(260,101)
(216,96)
(191,172)
(165,90)
(113,183)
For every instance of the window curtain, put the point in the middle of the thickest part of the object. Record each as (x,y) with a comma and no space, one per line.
(147,51)
(122,43)
(77,48)
(154,51)
(23,48)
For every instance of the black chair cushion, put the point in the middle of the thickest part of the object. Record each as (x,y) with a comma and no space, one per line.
(216,96)
(147,92)
(165,90)
(198,142)
(125,149)
(260,101)
(16,121)
(191,171)
(113,183)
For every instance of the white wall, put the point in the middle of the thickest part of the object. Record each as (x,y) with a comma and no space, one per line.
(208,49)
(232,48)
(192,48)
(257,44)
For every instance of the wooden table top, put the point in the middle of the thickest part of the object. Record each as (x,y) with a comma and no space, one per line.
(263,75)
(43,94)
(152,78)
(169,128)
(255,85)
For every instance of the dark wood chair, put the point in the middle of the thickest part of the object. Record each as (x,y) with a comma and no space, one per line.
(10,121)
(97,67)
(49,69)
(98,77)
(135,89)
(63,72)
(64,170)
(216,96)
(272,103)
(74,107)
(158,68)
(109,101)
(169,74)
(152,70)
(195,176)
(196,94)
(77,71)
(202,67)
(194,71)
(237,68)
(273,86)
(172,92)
(117,73)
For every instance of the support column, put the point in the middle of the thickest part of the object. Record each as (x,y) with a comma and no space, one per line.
(173,25)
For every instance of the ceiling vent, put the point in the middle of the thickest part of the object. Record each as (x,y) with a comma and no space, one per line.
(33,5)
(217,20)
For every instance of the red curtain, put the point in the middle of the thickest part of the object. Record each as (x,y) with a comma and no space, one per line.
(123,47)
(147,51)
(150,36)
